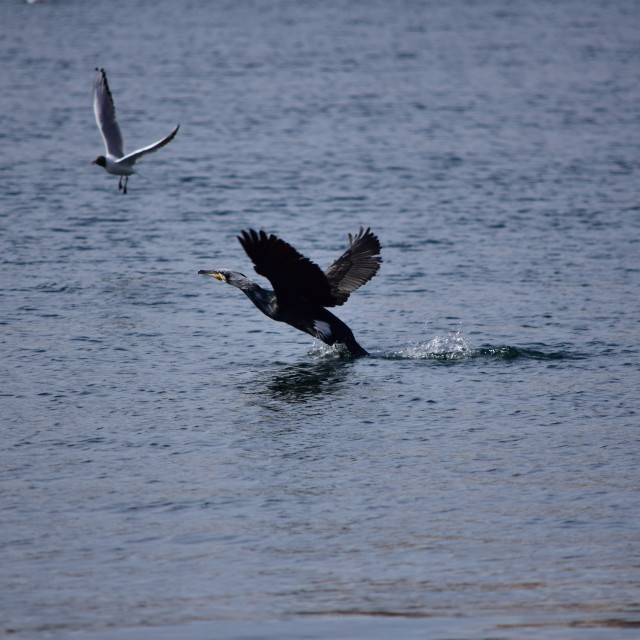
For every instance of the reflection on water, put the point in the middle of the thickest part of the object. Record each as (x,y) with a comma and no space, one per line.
(304,381)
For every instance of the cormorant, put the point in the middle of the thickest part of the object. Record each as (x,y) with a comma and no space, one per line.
(116,162)
(301,289)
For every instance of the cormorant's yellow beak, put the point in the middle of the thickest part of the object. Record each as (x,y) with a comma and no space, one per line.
(213,273)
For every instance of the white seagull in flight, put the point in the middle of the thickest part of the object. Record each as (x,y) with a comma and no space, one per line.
(115,161)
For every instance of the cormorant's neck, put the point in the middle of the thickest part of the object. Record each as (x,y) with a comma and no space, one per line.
(262,298)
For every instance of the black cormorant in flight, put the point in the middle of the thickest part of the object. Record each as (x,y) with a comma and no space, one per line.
(301,289)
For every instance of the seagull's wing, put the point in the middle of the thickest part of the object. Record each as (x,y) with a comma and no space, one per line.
(356,266)
(292,276)
(105,112)
(132,157)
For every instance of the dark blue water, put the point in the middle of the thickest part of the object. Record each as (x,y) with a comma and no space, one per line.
(176,465)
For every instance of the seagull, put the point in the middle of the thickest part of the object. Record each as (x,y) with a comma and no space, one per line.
(115,161)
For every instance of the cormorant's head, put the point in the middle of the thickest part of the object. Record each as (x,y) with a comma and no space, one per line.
(101,161)
(226,275)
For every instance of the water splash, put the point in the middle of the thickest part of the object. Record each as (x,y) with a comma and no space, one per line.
(451,346)
(323,352)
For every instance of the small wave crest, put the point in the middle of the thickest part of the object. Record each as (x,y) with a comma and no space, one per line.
(542,353)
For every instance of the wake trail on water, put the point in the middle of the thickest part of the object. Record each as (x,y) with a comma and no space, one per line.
(455,346)
(452,346)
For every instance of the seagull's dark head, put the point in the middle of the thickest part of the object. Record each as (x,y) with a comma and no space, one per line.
(101,161)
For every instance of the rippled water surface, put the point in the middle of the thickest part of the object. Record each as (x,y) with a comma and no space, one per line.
(176,465)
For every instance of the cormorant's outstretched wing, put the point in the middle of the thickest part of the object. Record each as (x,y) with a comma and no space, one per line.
(291,274)
(357,265)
